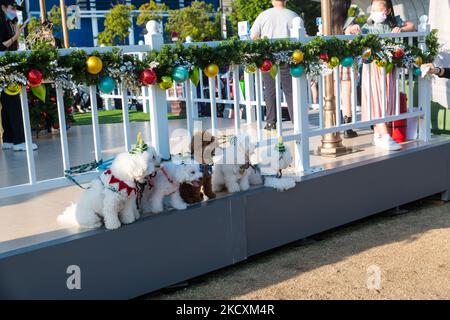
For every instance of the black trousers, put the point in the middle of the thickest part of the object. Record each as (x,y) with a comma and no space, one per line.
(12,120)
(270,93)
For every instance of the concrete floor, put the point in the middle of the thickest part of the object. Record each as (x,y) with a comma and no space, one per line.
(31,218)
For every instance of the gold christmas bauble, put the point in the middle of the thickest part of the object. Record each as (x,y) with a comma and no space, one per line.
(212,70)
(298,56)
(13,89)
(94,65)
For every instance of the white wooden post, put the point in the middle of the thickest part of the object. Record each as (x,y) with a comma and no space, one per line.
(95,124)
(144,89)
(28,137)
(159,124)
(62,127)
(300,97)
(126,118)
(424,87)
(249,96)
(94,22)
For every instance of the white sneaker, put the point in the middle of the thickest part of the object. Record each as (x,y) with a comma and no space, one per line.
(7,146)
(23,147)
(386,142)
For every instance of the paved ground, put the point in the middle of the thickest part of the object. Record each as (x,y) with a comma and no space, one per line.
(412,251)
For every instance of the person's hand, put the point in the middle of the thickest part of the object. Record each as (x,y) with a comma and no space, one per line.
(19,31)
(431,68)
(397,30)
(353,29)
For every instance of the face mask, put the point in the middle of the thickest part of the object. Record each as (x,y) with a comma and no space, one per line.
(378,17)
(11,14)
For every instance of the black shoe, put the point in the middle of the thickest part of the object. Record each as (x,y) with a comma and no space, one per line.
(270,126)
(349,134)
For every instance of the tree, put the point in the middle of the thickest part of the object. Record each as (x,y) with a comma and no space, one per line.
(54,16)
(148,11)
(309,11)
(195,21)
(247,10)
(117,25)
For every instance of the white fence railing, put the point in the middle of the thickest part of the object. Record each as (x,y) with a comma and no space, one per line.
(253,101)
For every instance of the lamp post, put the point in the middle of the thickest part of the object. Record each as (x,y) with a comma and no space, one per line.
(62,4)
(331,142)
(43,10)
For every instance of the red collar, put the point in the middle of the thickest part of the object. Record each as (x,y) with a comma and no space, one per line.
(122,185)
(167,176)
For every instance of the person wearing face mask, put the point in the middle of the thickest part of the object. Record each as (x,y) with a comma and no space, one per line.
(382,20)
(11,109)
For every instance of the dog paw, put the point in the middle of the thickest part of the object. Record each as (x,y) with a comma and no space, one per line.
(234,188)
(180,206)
(128,220)
(112,225)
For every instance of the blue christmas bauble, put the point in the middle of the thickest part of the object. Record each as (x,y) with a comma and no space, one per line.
(347,62)
(106,85)
(417,72)
(180,74)
(297,71)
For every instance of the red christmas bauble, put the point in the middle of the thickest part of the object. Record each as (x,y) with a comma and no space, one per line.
(56,126)
(266,66)
(324,57)
(399,53)
(34,77)
(148,77)
(69,110)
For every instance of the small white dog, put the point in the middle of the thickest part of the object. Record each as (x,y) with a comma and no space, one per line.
(111,199)
(232,168)
(167,183)
(280,159)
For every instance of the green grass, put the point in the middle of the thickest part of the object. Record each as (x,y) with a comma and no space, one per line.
(114,116)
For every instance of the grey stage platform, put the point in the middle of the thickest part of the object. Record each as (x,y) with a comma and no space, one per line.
(161,250)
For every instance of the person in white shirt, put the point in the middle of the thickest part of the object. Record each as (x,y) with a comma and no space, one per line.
(275,23)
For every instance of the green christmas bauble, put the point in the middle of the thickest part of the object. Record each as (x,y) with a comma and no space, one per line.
(180,74)
(389,67)
(347,62)
(297,71)
(334,62)
(194,75)
(166,83)
(251,68)
(417,72)
(106,85)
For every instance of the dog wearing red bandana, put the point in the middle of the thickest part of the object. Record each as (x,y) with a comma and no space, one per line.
(112,199)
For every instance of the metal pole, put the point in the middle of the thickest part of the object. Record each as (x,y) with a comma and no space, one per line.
(331,142)
(43,10)
(62,4)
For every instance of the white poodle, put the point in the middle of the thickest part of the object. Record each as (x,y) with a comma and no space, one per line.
(111,199)
(166,183)
(280,158)
(232,167)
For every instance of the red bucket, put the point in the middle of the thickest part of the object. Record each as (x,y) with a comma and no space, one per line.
(397,129)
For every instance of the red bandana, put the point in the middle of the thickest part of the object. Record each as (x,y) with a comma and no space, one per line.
(122,185)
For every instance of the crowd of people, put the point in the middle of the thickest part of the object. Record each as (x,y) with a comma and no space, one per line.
(276,23)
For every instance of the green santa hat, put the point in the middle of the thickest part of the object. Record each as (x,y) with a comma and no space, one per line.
(280,147)
(140,146)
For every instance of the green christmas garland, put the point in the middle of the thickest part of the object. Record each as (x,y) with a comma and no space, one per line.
(317,55)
